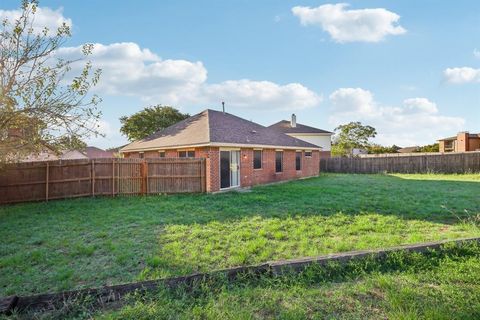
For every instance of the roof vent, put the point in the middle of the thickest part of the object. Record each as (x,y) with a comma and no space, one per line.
(293,122)
(254,131)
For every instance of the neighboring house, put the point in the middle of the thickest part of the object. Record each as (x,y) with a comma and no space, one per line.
(409,149)
(239,153)
(319,137)
(462,142)
(359,151)
(48,154)
(95,153)
(72,155)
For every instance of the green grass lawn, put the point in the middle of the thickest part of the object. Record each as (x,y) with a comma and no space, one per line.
(443,284)
(91,242)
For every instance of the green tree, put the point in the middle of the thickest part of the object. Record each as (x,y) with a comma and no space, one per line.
(70,143)
(429,148)
(37,101)
(352,135)
(150,120)
(379,149)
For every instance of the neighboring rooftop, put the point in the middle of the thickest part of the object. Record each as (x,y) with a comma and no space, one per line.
(408,149)
(212,127)
(292,126)
(470,135)
(94,152)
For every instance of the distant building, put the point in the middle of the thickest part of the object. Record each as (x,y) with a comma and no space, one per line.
(462,142)
(95,153)
(409,149)
(318,137)
(47,154)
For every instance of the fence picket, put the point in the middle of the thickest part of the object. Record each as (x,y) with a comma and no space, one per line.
(467,162)
(47,180)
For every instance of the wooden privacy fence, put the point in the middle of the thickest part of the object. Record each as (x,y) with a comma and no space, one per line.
(91,177)
(468,162)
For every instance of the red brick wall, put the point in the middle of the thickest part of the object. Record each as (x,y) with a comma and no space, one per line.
(248,175)
(462,142)
(474,144)
(325,154)
(212,166)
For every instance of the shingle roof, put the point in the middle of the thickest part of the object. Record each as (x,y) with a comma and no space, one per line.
(470,135)
(212,127)
(285,127)
(94,152)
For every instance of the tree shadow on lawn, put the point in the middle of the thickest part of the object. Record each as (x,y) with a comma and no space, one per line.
(164,235)
(439,201)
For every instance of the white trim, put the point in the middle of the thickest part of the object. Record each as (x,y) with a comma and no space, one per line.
(264,146)
(309,134)
(217,144)
(229,149)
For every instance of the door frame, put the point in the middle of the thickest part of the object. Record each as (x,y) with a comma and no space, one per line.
(220,167)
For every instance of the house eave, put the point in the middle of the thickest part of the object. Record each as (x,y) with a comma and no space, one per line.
(220,144)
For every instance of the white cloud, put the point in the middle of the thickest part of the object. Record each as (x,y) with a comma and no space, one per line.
(43,17)
(476,53)
(261,94)
(461,75)
(352,100)
(343,25)
(420,105)
(417,121)
(129,70)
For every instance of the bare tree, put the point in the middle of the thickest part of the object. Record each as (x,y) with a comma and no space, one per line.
(39,106)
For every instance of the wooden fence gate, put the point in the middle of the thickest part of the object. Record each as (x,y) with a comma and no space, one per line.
(60,179)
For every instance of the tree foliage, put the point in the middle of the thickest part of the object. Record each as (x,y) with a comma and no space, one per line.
(429,148)
(37,101)
(379,149)
(352,135)
(150,120)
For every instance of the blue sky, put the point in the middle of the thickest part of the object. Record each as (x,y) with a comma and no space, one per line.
(409,68)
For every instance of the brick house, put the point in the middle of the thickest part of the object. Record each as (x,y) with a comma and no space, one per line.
(238,152)
(462,142)
(319,137)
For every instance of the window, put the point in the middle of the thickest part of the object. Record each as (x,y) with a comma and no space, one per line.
(186,154)
(308,153)
(449,145)
(142,155)
(298,160)
(257,159)
(161,154)
(278,161)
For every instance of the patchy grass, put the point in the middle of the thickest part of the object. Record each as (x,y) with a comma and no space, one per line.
(441,284)
(91,242)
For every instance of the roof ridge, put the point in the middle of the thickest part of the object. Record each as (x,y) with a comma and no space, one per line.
(208,123)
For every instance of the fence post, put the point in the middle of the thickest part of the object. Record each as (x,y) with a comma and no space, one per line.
(203,165)
(113,177)
(143,173)
(47,174)
(92,175)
